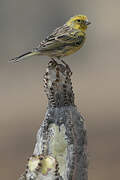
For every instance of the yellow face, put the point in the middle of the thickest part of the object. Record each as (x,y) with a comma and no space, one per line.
(79,22)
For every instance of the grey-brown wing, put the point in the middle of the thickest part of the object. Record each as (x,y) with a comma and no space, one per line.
(59,38)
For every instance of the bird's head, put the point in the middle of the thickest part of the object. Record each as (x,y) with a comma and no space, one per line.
(79,22)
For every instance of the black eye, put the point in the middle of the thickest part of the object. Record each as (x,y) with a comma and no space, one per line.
(78,20)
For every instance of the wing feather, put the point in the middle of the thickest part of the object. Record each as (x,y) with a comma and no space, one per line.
(61,37)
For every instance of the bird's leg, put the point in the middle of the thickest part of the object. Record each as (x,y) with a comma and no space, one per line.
(63,62)
(54,60)
(67,66)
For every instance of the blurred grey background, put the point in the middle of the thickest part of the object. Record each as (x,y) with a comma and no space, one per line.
(96,81)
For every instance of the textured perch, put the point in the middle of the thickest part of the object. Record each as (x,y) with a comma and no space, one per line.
(61,149)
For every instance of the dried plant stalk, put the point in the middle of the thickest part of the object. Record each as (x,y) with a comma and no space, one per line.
(61,149)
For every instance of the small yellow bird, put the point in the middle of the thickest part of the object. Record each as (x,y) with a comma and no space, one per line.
(65,40)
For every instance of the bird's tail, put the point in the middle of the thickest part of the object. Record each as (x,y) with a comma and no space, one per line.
(23,56)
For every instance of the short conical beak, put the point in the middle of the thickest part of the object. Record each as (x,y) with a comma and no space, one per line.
(87,23)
